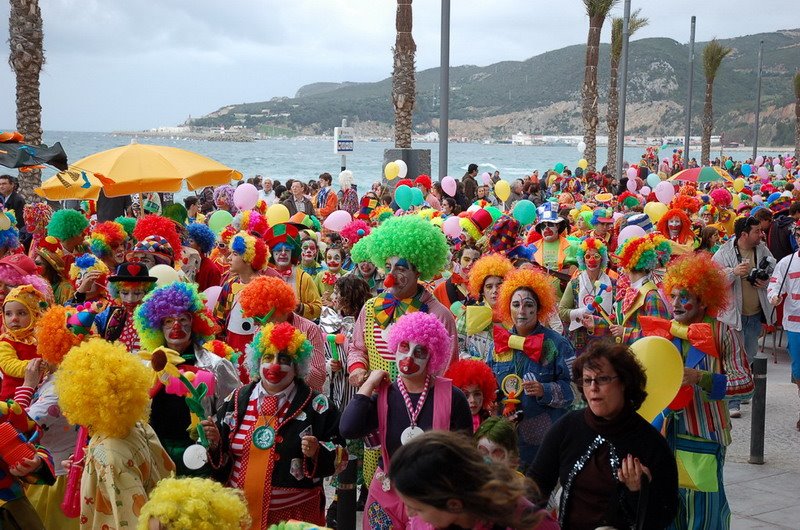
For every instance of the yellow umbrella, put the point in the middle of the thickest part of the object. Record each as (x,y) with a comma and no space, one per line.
(70,184)
(142,168)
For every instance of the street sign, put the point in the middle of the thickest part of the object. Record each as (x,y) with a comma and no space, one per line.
(343,140)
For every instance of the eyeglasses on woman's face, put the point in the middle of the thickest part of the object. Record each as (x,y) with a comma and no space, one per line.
(601,380)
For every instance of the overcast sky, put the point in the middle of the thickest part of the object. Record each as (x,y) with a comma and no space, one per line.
(126,65)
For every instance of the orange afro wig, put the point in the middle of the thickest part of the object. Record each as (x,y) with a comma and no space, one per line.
(489,265)
(156,225)
(474,372)
(265,294)
(686,233)
(539,283)
(54,338)
(703,277)
(688,203)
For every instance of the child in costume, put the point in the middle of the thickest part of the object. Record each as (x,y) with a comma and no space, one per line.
(309,253)
(203,240)
(69,227)
(36,216)
(22,308)
(275,439)
(104,388)
(284,243)
(50,260)
(159,236)
(107,241)
(127,288)
(476,380)
(89,276)
(496,440)
(326,279)
(174,319)
(210,506)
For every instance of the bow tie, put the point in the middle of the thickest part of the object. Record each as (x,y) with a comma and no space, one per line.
(389,308)
(626,293)
(531,345)
(699,335)
(285,273)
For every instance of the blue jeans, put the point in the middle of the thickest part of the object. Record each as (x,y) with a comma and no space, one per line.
(794,354)
(751,329)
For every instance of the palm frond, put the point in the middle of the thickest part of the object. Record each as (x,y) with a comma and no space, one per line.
(713,54)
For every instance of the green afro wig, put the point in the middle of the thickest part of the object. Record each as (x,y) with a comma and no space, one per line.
(128,223)
(66,224)
(361,250)
(413,238)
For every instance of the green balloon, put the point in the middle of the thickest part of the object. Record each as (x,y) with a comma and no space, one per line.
(403,197)
(524,212)
(416,197)
(728,164)
(494,212)
(219,220)
(559,168)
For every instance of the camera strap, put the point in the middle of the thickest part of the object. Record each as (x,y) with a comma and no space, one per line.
(739,254)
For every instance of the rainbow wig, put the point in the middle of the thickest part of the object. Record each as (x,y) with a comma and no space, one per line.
(474,372)
(85,263)
(105,236)
(592,243)
(645,253)
(172,300)
(709,209)
(427,330)
(539,283)
(9,238)
(128,224)
(36,216)
(279,338)
(251,221)
(66,224)
(488,265)
(156,225)
(703,277)
(203,236)
(102,386)
(53,337)
(193,503)
(354,231)
(252,250)
(413,238)
(265,294)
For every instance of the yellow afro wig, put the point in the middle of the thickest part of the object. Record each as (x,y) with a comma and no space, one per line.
(195,504)
(103,387)
(539,283)
(489,265)
(703,277)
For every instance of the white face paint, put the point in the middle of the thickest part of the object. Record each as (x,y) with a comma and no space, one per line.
(674,226)
(411,358)
(496,453)
(523,311)
(190,262)
(276,374)
(283,256)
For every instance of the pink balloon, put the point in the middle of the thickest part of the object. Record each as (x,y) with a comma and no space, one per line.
(632,184)
(759,160)
(788,164)
(758,199)
(616,216)
(451,226)
(245,196)
(630,232)
(646,190)
(486,178)
(665,191)
(763,172)
(337,220)
(212,296)
(632,172)
(449,186)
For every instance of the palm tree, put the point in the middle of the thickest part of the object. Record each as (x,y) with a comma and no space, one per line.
(713,54)
(26,60)
(797,116)
(597,10)
(404,84)
(635,23)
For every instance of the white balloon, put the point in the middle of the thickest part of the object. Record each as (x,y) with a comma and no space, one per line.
(581,146)
(403,169)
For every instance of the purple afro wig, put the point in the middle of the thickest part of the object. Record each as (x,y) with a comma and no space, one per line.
(427,330)
(225,192)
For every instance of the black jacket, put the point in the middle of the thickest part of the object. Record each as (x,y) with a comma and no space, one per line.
(16,203)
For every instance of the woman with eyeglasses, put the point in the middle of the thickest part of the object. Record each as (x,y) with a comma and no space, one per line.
(616,470)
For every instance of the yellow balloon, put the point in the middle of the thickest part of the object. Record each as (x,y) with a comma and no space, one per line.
(735,200)
(738,184)
(663,366)
(502,190)
(277,214)
(391,170)
(655,210)
(583,163)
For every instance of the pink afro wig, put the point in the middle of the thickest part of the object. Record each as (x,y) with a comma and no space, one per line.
(354,231)
(11,277)
(427,330)
(156,225)
(721,198)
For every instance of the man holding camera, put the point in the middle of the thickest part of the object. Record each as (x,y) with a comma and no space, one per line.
(748,264)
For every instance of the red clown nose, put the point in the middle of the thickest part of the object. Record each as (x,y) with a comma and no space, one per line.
(389,282)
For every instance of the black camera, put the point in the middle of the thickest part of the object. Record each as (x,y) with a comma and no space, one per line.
(761,272)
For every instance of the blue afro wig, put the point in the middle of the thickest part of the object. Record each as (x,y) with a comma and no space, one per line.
(9,238)
(203,236)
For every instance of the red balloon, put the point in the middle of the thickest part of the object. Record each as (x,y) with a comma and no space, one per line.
(682,398)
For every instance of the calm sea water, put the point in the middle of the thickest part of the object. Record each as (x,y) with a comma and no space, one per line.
(306,159)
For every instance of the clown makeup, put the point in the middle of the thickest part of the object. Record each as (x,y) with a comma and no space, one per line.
(491,290)
(401,277)
(593,259)
(493,452)
(674,226)
(468,258)
(333,258)
(94,285)
(118,252)
(283,255)
(308,252)
(708,218)
(550,231)
(411,358)
(276,374)
(131,295)
(474,398)
(177,331)
(145,258)
(601,229)
(16,316)
(523,311)
(367,268)
(686,307)
(190,262)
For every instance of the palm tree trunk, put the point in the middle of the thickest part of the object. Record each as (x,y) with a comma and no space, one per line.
(612,118)
(589,92)
(27,59)
(403,76)
(708,124)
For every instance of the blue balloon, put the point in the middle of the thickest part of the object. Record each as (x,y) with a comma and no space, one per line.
(416,197)
(403,197)
(746,170)
(653,180)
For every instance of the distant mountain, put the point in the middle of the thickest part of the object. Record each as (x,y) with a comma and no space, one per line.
(541,95)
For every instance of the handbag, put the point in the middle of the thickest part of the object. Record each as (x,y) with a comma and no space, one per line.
(698,463)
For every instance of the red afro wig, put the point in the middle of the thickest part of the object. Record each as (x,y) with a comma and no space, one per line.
(721,198)
(425,180)
(156,225)
(474,372)
(702,276)
(539,283)
(688,203)
(265,294)
(686,234)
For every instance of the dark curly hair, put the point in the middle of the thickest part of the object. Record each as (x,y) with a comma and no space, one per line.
(353,294)
(629,371)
